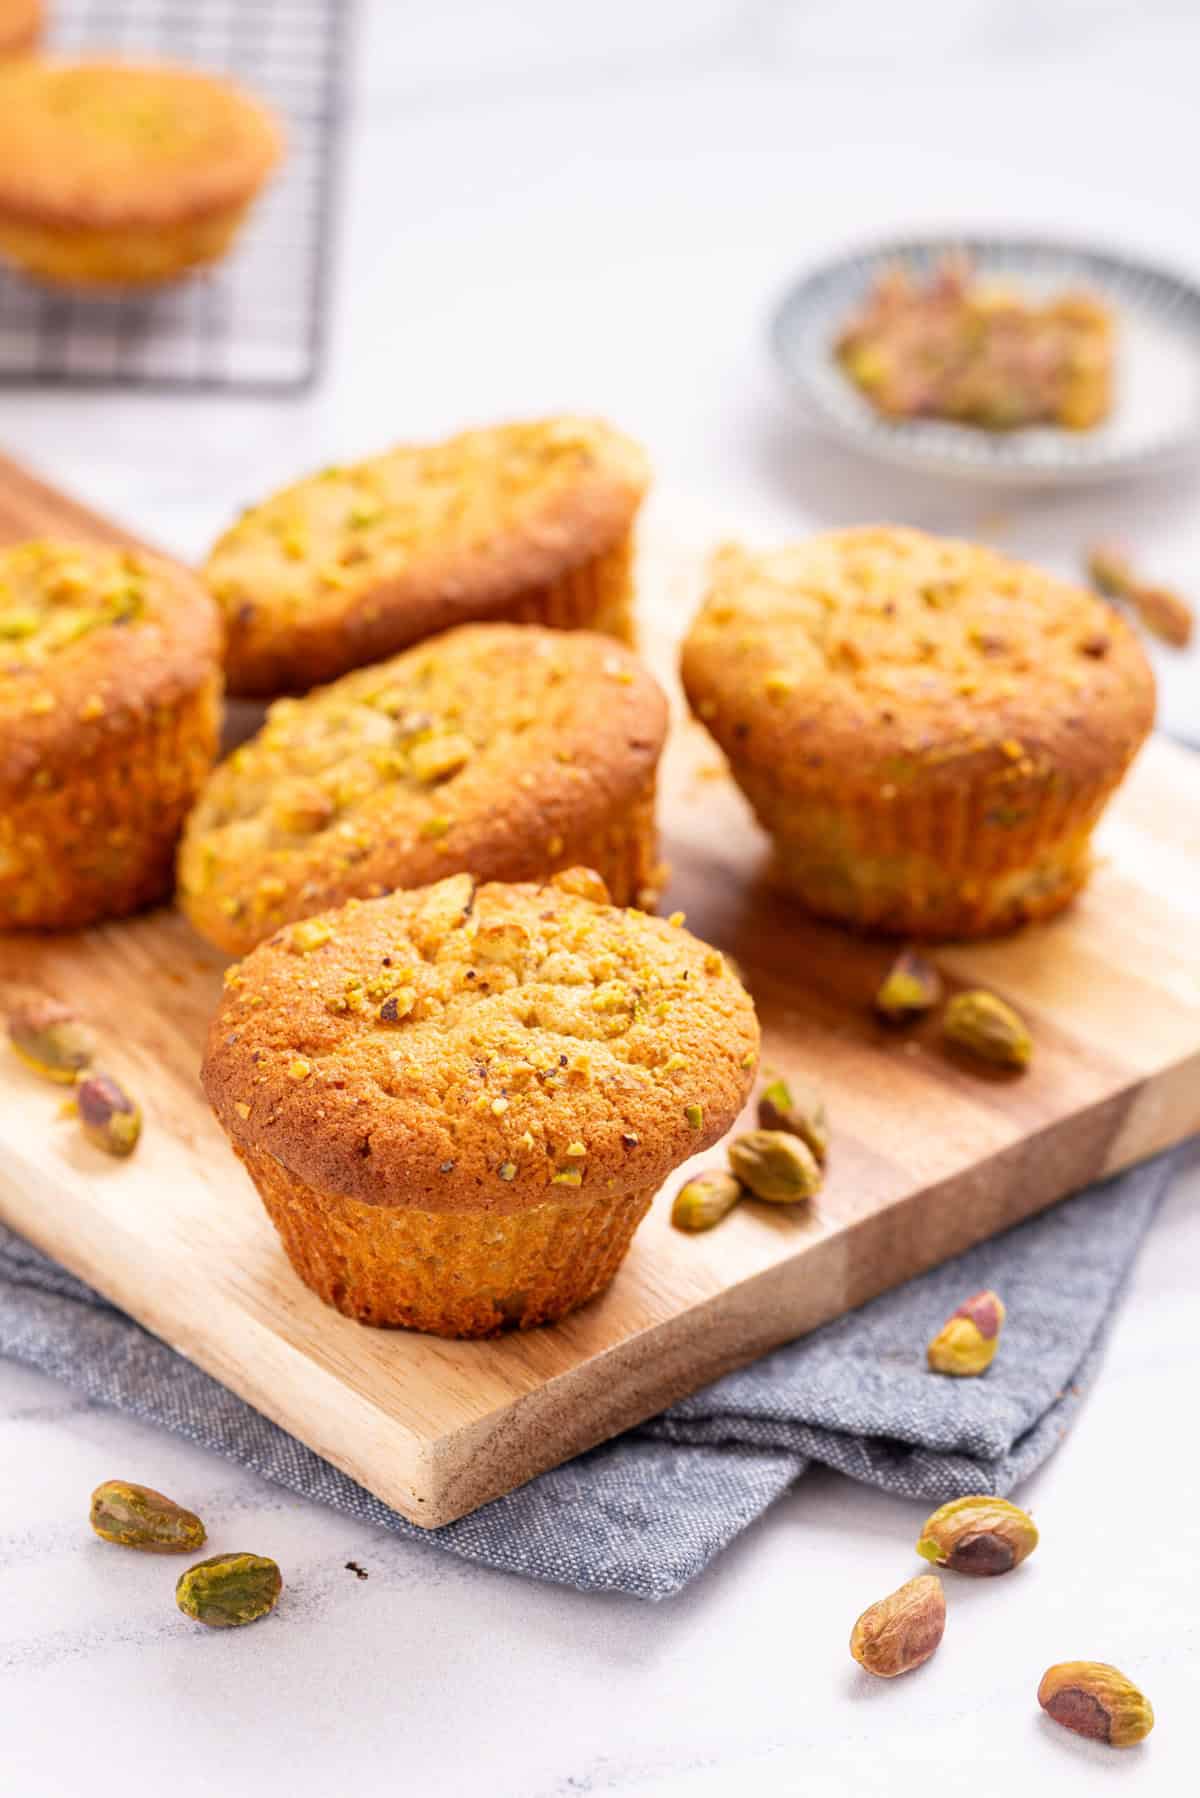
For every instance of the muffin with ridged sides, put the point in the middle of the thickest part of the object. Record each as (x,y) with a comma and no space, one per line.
(110,692)
(529,522)
(458,1102)
(20,26)
(502,749)
(125,174)
(928,730)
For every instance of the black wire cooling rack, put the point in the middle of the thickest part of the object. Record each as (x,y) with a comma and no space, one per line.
(256,321)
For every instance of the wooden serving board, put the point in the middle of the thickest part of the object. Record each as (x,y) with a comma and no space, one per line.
(928,1157)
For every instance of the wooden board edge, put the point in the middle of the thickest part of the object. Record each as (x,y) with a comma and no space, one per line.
(637,1379)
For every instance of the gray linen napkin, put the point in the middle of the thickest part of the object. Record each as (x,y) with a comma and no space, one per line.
(645,1513)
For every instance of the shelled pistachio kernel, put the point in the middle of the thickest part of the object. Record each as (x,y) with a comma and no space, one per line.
(799,1110)
(967,1342)
(775,1166)
(1097,1701)
(911,987)
(986,1027)
(704,1200)
(978,1535)
(228,1590)
(901,1631)
(139,1517)
(109,1117)
(50,1039)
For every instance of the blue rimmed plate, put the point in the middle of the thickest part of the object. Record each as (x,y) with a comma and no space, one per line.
(1155,421)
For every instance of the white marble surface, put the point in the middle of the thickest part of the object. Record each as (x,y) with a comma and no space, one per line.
(547,205)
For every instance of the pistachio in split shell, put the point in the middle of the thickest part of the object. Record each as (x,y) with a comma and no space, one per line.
(50,1039)
(797,1109)
(139,1517)
(1097,1701)
(228,1590)
(109,1117)
(901,1631)
(911,987)
(987,1028)
(978,1535)
(967,1342)
(704,1200)
(775,1166)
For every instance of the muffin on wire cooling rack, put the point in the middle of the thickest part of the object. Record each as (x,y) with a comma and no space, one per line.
(928,731)
(120,174)
(458,1102)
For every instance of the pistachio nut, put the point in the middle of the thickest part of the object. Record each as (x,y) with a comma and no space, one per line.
(901,1631)
(988,1028)
(139,1517)
(967,1342)
(228,1590)
(585,883)
(799,1110)
(50,1039)
(1165,614)
(1097,1701)
(1109,570)
(911,987)
(978,1535)
(775,1166)
(110,1118)
(704,1200)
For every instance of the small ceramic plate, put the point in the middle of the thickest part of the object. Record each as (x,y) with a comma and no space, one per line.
(1155,422)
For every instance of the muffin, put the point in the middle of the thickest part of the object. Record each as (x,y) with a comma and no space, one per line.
(928,730)
(502,749)
(122,174)
(457,1103)
(20,26)
(109,700)
(529,522)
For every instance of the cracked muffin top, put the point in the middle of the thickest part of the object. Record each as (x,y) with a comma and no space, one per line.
(356,562)
(890,650)
(111,145)
(481,1047)
(496,747)
(92,635)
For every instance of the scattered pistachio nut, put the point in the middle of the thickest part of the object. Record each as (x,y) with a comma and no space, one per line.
(228,1590)
(911,987)
(110,1118)
(1165,614)
(1109,569)
(1097,1701)
(978,1535)
(798,1110)
(139,1517)
(901,1631)
(988,1028)
(775,1166)
(704,1200)
(967,1342)
(50,1039)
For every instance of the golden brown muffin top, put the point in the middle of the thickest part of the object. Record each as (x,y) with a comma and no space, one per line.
(428,535)
(20,25)
(91,637)
(481,1048)
(116,145)
(458,753)
(893,653)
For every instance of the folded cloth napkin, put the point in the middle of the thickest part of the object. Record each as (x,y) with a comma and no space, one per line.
(645,1513)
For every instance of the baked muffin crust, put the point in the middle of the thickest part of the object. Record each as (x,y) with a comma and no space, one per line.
(109,698)
(481,1048)
(124,172)
(505,749)
(527,521)
(905,708)
(20,25)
